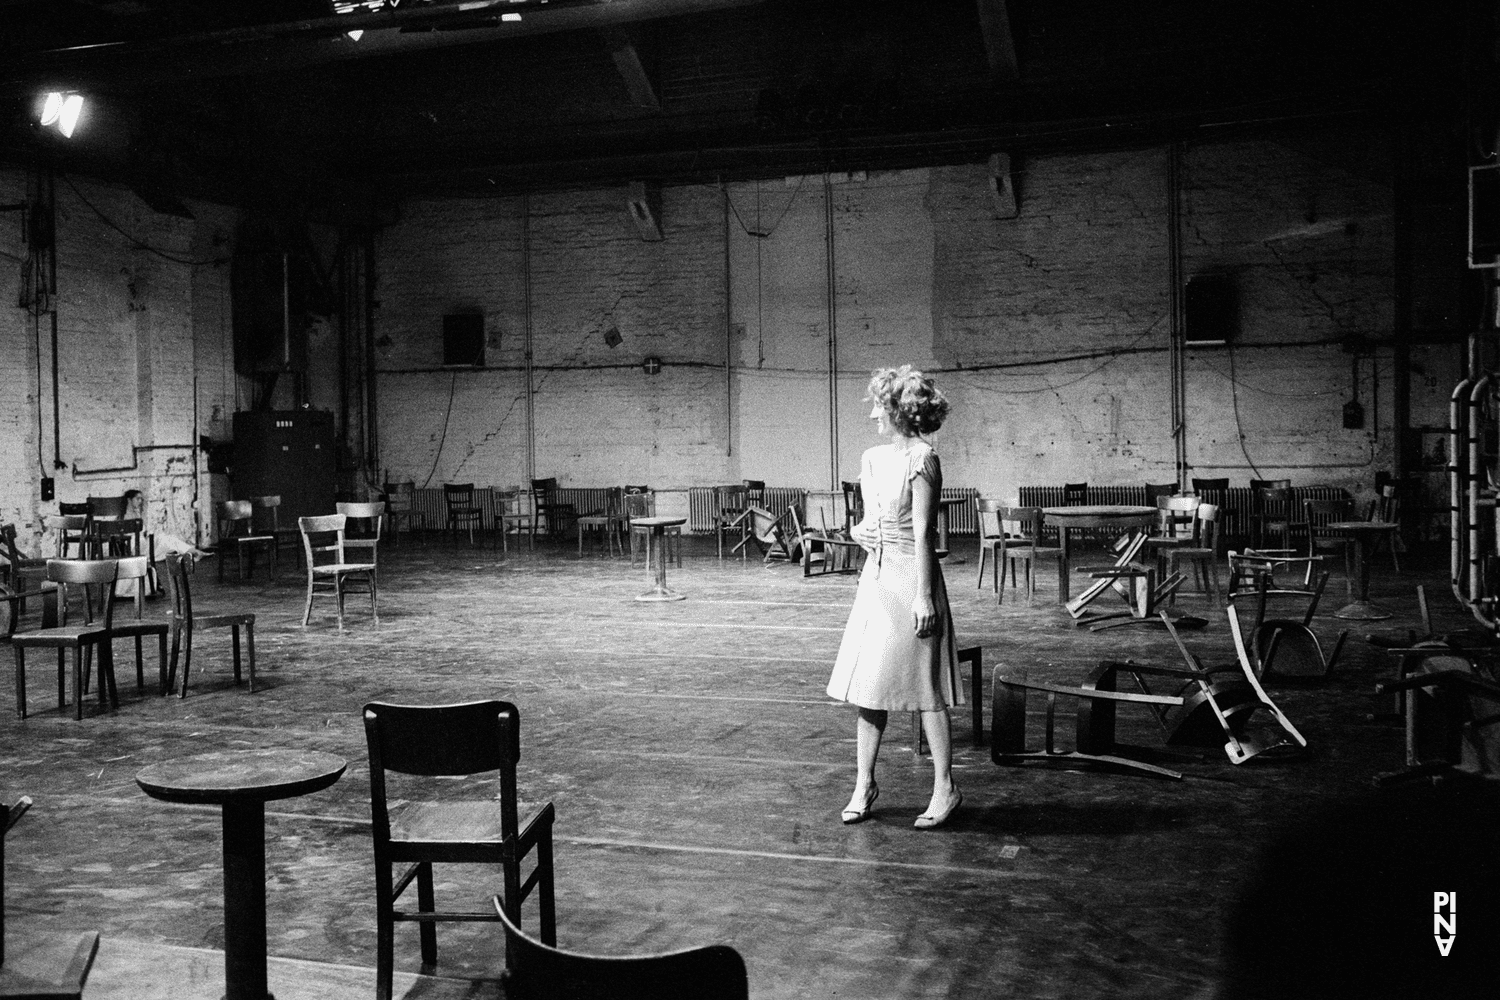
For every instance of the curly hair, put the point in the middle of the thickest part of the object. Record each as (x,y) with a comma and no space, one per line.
(914,404)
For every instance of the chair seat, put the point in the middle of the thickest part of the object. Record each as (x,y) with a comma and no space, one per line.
(333,569)
(1042,552)
(253,539)
(59,635)
(447,823)
(215,621)
(147,626)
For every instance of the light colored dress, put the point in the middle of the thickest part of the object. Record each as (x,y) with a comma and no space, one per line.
(882,664)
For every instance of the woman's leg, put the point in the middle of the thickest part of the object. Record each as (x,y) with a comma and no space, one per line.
(868,731)
(940,737)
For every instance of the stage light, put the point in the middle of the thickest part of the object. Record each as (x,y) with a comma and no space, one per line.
(355,33)
(62,110)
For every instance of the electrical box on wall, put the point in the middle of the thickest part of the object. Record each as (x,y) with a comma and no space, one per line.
(289,454)
(463,340)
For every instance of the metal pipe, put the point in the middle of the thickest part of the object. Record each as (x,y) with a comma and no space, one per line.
(833,343)
(1476,459)
(728,331)
(1456,492)
(526,331)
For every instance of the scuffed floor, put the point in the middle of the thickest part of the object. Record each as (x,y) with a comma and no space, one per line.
(697,770)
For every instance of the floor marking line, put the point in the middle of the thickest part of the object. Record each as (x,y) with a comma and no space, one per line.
(713,697)
(608,842)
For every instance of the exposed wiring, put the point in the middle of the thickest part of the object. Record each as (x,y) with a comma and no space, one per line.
(138,243)
(1239,427)
(757,232)
(452,389)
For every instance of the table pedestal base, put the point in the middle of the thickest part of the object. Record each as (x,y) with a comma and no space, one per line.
(1364,611)
(661,594)
(245,901)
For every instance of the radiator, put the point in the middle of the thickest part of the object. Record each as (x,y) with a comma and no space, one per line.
(1235,507)
(963,518)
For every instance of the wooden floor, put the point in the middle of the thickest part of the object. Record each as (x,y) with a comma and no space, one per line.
(697,769)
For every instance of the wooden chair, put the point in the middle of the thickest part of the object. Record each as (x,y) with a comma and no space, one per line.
(1285,646)
(1020,542)
(69,531)
(449,741)
(546,507)
(331,574)
(135,569)
(1176,525)
(777,536)
(51,966)
(607,521)
(20,569)
(1386,509)
(462,511)
(640,501)
(535,970)
(1216,492)
(854,504)
(81,638)
(1271,513)
(512,515)
(732,515)
(186,621)
(830,551)
(362,530)
(987,512)
(1155,490)
(1315,515)
(400,508)
(1075,494)
(1200,551)
(1451,708)
(238,535)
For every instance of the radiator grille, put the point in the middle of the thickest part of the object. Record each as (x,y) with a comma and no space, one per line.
(963,518)
(1235,506)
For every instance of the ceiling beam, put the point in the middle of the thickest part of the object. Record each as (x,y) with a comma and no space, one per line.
(631,68)
(999,39)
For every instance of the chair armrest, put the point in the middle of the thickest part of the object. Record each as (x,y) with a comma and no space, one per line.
(1462,679)
(14,812)
(537,826)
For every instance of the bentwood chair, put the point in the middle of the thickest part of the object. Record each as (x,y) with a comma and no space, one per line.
(1156,490)
(82,638)
(1020,538)
(136,570)
(470,824)
(362,529)
(535,970)
(239,535)
(1176,525)
(19,567)
(1200,551)
(328,569)
(186,621)
(462,510)
(1386,509)
(1271,503)
(607,521)
(400,508)
(1316,515)
(70,530)
(547,508)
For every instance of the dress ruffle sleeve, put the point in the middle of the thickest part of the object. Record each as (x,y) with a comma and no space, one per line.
(924,462)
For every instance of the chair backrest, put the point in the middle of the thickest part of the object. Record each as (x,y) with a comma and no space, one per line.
(854,502)
(78,572)
(1206,529)
(1021,522)
(399,497)
(132,568)
(755,492)
(106,508)
(1177,516)
(265,514)
(8,547)
(443,741)
(315,534)
(542,490)
(534,971)
(370,516)
(732,497)
(69,528)
(1211,487)
(178,571)
(236,514)
(1320,512)
(636,489)
(640,504)
(1274,500)
(1075,494)
(74,509)
(987,510)
(1386,508)
(1154,490)
(458,494)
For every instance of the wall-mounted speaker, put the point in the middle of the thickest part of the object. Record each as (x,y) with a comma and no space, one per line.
(463,340)
(643,203)
(1003,187)
(1209,310)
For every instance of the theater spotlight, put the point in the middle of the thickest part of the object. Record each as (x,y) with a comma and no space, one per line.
(62,110)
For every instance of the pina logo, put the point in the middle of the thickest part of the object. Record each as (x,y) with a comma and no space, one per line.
(1445,927)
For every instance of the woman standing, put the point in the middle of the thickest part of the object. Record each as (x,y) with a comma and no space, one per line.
(898,649)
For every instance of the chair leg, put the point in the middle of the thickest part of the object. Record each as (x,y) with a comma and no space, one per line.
(979,580)
(374,614)
(385,933)
(78,655)
(234,640)
(250,644)
(307,612)
(187,657)
(338,596)
(140,672)
(20,682)
(426,903)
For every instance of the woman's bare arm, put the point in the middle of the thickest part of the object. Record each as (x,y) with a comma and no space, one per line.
(924,510)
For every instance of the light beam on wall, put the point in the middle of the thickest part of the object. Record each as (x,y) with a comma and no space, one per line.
(62,110)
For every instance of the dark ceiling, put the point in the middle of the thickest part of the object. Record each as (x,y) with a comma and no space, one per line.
(271,99)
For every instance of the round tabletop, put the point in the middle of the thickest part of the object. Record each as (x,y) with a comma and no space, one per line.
(1356,526)
(241,776)
(657,521)
(1101,510)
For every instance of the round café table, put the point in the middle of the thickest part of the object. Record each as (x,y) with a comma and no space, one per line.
(1364,534)
(657,542)
(241,782)
(1066,519)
